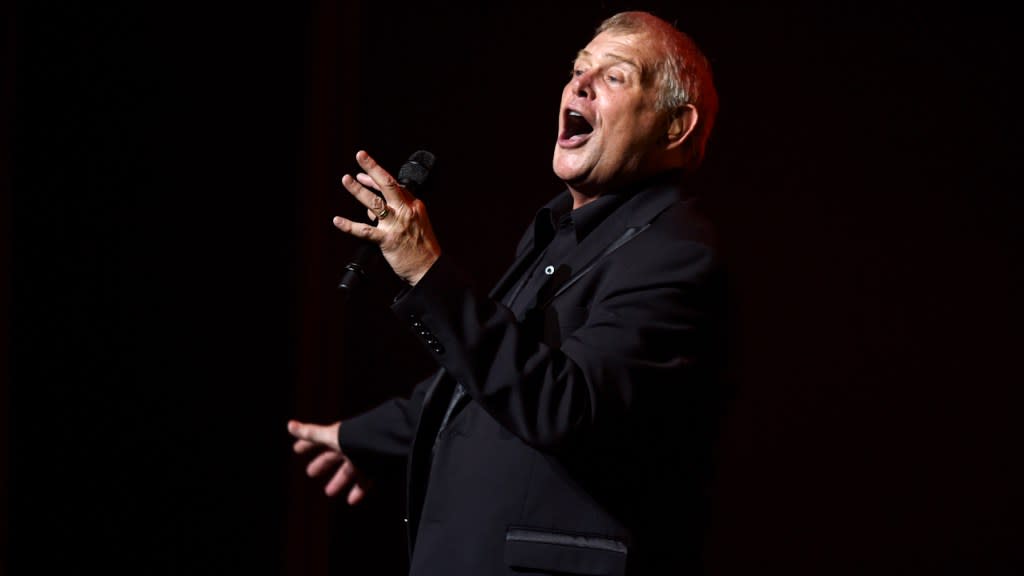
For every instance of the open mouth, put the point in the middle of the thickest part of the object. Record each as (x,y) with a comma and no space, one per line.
(575,128)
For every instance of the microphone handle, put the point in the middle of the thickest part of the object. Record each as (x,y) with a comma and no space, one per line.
(358,267)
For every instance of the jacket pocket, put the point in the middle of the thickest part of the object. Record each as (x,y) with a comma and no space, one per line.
(546,551)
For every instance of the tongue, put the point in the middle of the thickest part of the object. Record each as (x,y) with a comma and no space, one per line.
(571,140)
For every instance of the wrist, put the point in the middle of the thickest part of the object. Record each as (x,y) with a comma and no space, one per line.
(414,279)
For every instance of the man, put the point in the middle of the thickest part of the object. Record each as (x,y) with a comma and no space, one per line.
(563,429)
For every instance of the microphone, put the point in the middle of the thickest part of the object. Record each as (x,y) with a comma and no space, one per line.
(411,176)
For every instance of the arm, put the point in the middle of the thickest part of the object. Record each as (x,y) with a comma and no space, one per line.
(384,431)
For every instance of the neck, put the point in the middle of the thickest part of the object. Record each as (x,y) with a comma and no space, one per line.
(579,199)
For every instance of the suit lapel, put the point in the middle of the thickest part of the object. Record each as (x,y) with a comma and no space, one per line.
(515,272)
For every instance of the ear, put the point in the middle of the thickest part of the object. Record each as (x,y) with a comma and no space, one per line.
(680,125)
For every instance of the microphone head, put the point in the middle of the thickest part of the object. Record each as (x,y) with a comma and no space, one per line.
(414,172)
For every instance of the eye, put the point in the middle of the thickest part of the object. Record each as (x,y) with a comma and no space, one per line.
(576,72)
(614,78)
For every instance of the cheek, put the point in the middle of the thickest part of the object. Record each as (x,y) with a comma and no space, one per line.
(638,127)
(622,119)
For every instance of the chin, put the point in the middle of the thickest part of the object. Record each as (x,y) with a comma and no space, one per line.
(569,176)
(567,170)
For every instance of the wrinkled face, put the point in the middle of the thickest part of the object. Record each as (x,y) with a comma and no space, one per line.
(608,127)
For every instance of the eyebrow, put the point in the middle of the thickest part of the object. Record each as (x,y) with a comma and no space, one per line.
(611,56)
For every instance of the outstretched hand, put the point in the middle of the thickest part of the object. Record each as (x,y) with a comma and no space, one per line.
(403,231)
(312,438)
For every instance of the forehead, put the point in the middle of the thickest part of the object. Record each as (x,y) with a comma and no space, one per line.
(634,48)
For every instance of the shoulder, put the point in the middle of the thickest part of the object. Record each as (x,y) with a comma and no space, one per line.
(679,244)
(684,221)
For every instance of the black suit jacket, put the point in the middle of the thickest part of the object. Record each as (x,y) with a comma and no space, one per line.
(580,446)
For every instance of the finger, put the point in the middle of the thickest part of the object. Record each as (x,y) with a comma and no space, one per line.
(365,180)
(323,462)
(303,446)
(341,479)
(359,230)
(386,183)
(356,494)
(362,193)
(315,434)
(303,431)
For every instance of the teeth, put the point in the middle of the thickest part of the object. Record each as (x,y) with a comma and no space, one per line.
(575,113)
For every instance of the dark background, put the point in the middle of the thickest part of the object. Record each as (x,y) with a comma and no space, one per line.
(169,177)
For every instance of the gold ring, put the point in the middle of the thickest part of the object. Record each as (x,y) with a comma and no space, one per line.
(383,213)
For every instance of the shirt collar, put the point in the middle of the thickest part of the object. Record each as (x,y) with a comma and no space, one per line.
(587,217)
(583,219)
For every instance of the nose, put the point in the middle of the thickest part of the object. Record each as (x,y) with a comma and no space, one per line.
(581,85)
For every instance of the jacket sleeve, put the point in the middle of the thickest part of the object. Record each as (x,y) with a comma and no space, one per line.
(385,431)
(640,328)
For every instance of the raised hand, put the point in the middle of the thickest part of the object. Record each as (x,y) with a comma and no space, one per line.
(403,230)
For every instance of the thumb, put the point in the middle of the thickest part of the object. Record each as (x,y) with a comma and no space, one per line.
(316,433)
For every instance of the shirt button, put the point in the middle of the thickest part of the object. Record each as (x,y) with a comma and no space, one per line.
(549,270)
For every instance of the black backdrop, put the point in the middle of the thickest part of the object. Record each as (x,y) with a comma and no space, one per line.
(170,174)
